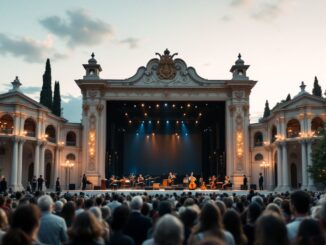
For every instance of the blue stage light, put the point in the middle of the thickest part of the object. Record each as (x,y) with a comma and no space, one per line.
(165,104)
(167,121)
(150,122)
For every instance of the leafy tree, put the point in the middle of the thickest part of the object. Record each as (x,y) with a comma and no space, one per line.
(318,156)
(267,111)
(56,106)
(288,98)
(46,92)
(317,89)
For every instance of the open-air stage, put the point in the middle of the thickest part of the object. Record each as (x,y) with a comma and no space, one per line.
(163,192)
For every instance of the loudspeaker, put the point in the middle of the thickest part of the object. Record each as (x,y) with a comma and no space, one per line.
(97,187)
(244,187)
(156,186)
(253,186)
(72,186)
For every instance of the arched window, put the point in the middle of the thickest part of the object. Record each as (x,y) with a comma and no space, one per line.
(30,127)
(273,134)
(50,132)
(6,124)
(259,157)
(71,139)
(316,124)
(71,157)
(258,139)
(293,128)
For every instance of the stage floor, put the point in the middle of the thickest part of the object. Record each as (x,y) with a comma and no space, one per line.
(163,192)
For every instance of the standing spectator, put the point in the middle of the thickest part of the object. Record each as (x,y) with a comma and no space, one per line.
(138,225)
(40,182)
(300,206)
(34,184)
(3,185)
(114,203)
(269,230)
(120,219)
(86,230)
(188,217)
(253,212)
(53,228)
(310,233)
(261,181)
(232,223)
(24,224)
(210,225)
(84,182)
(57,185)
(68,213)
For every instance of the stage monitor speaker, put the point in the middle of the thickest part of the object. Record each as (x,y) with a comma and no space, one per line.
(179,188)
(72,186)
(97,187)
(168,188)
(103,184)
(147,188)
(253,187)
(156,186)
(244,187)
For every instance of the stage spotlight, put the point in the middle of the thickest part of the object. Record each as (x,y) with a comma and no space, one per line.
(173,105)
(200,114)
(196,122)
(188,105)
(147,136)
(137,134)
(167,121)
(186,134)
(126,114)
(149,107)
(181,107)
(157,105)
(196,106)
(150,122)
(130,121)
(176,134)
(142,105)
(145,114)
(158,122)
(142,122)
(165,104)
(153,134)
(184,114)
(135,106)
(182,122)
(177,122)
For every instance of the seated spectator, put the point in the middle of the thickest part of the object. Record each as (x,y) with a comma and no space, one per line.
(210,225)
(24,225)
(120,219)
(270,229)
(86,230)
(310,233)
(232,223)
(53,228)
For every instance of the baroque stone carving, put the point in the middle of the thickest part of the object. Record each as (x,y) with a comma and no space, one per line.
(166,69)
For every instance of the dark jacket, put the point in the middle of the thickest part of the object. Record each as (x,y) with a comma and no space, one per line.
(118,238)
(137,227)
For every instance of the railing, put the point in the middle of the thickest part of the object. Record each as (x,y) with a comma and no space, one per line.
(30,133)
(6,130)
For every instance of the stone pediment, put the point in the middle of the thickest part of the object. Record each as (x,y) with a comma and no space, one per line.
(18,98)
(299,101)
(173,73)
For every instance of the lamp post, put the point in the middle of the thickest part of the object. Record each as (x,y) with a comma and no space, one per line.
(265,165)
(68,165)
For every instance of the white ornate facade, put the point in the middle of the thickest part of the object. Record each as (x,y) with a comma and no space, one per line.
(33,141)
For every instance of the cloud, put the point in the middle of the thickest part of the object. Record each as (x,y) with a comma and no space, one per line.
(226,18)
(30,89)
(131,42)
(29,49)
(79,28)
(72,107)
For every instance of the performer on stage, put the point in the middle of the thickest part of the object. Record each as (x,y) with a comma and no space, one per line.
(171,178)
(113,182)
(185,181)
(192,180)
(140,180)
(226,182)
(212,182)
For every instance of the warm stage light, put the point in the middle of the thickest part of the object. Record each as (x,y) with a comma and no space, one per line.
(142,105)
(157,105)
(200,114)
(177,122)
(196,122)
(178,137)
(176,134)
(126,114)
(158,122)
(147,136)
(145,114)
(188,105)
(153,134)
(130,121)
(184,114)
(173,105)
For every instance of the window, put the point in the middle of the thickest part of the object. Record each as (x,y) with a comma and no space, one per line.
(259,157)
(71,139)
(258,139)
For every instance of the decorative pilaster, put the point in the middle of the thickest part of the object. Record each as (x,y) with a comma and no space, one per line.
(14,164)
(311,184)
(279,167)
(285,166)
(20,164)
(37,158)
(41,165)
(304,165)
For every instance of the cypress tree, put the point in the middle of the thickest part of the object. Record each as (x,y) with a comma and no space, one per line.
(317,89)
(56,106)
(267,111)
(288,98)
(46,92)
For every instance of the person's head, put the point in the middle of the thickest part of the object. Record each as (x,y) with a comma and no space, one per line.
(164,207)
(221,205)
(168,231)
(85,228)
(27,219)
(271,229)
(3,220)
(58,205)
(254,210)
(45,203)
(120,217)
(80,202)
(272,207)
(68,211)
(232,223)
(210,217)
(136,203)
(310,233)
(188,216)
(16,237)
(97,213)
(300,203)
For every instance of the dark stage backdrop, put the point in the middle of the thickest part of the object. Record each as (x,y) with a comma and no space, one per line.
(161,154)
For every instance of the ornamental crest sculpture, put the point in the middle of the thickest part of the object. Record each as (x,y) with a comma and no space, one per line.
(166,69)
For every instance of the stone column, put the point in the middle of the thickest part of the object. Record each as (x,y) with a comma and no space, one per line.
(41,165)
(279,167)
(285,167)
(311,184)
(14,164)
(37,159)
(304,165)
(20,185)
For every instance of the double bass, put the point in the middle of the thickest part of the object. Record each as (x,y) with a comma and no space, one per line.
(192,184)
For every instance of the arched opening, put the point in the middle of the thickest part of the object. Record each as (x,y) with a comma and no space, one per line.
(316,124)
(71,139)
(30,172)
(294,177)
(50,133)
(293,128)
(259,157)
(6,124)
(30,127)
(258,139)
(273,134)
(48,159)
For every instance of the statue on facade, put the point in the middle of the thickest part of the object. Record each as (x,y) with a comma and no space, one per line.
(166,69)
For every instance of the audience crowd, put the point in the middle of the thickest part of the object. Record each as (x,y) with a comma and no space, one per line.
(297,218)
